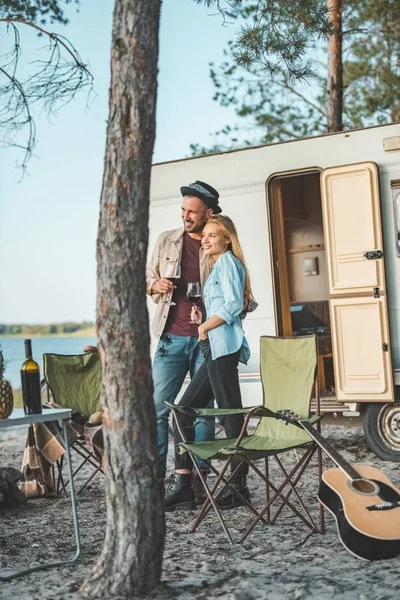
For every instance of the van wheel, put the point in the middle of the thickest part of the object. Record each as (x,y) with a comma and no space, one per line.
(382,430)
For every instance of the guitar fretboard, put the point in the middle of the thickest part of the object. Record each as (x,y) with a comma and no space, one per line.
(331,451)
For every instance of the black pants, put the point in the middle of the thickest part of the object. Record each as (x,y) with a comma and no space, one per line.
(217,378)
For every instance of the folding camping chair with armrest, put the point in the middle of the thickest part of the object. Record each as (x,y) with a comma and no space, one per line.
(288,369)
(75,382)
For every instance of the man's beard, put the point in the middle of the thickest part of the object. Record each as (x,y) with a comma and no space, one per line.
(192,228)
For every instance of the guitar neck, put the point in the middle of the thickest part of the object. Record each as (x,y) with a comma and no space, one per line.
(330,451)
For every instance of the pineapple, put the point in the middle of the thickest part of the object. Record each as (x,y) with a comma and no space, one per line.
(6,395)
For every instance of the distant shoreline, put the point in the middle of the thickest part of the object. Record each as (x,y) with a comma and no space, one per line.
(80,333)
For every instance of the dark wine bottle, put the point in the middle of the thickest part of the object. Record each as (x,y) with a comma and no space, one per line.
(30,380)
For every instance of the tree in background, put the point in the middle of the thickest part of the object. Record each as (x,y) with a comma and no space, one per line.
(51,82)
(269,109)
(266,71)
(275,34)
(365,56)
(334,87)
(372,62)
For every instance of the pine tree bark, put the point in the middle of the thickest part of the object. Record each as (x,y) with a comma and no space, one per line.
(131,560)
(335,68)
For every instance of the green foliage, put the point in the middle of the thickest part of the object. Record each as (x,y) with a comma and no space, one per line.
(37,11)
(265,73)
(271,107)
(15,329)
(372,71)
(70,328)
(275,33)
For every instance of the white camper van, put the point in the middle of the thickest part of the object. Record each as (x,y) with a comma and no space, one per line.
(319,221)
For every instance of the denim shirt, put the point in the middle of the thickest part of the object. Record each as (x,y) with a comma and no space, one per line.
(223,296)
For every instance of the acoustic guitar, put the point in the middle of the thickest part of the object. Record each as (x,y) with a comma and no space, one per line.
(365,504)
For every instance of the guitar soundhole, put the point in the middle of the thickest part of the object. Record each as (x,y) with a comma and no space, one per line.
(364,486)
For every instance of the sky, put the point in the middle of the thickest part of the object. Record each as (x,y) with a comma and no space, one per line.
(48,221)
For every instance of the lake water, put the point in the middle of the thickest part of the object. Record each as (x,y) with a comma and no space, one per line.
(14,352)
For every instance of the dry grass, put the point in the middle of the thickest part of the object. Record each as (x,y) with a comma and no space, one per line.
(18,402)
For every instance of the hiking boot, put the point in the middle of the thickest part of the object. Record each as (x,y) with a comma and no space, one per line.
(179,494)
(228,498)
(198,488)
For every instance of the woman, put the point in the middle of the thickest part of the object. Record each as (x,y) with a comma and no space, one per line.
(223,344)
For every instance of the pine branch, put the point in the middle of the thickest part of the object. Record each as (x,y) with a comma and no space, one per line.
(279,34)
(58,38)
(16,111)
(54,83)
(291,89)
(355,30)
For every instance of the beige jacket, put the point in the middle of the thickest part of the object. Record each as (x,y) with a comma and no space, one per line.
(168,249)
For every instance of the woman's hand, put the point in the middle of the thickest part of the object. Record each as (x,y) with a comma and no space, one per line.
(210,323)
(196,315)
(203,331)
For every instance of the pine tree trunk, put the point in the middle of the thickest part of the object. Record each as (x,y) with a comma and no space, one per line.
(131,559)
(335,68)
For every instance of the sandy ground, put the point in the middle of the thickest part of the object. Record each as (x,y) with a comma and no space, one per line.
(280,561)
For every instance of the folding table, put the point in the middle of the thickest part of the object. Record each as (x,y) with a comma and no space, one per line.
(17,418)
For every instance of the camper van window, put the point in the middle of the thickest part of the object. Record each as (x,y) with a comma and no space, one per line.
(396,205)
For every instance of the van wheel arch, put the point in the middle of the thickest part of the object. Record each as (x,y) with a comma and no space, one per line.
(382,430)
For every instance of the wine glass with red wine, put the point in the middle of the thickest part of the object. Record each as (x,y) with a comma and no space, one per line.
(193,294)
(172,273)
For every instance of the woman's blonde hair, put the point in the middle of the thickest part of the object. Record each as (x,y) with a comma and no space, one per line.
(229,230)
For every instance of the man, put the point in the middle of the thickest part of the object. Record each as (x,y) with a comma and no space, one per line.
(178,349)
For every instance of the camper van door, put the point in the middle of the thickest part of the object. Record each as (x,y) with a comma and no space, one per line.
(357,287)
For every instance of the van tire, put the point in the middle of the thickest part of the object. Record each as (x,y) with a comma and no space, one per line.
(382,430)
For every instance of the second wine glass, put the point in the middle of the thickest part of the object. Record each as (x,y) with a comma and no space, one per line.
(193,294)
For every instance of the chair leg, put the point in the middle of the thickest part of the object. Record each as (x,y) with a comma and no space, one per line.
(88,458)
(227,483)
(211,493)
(53,478)
(293,489)
(60,478)
(321,507)
(207,504)
(277,493)
(211,500)
(88,480)
(267,495)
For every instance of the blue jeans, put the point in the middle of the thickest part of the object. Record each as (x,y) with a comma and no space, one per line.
(175,356)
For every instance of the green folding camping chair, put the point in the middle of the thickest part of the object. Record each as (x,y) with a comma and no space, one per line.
(288,369)
(74,381)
